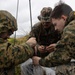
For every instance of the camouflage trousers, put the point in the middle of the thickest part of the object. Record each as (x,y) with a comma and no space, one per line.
(7,71)
(68,69)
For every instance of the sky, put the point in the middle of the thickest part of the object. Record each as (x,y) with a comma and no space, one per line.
(23,18)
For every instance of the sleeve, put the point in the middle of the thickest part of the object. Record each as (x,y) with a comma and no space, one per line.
(14,55)
(64,51)
(34,31)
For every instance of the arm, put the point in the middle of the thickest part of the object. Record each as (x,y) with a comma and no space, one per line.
(64,50)
(10,55)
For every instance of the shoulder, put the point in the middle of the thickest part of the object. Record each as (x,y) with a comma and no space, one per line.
(70,26)
(4,46)
(36,26)
(69,30)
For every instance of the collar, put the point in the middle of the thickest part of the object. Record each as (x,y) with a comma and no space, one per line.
(70,17)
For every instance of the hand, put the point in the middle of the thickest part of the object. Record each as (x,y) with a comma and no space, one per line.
(41,49)
(36,60)
(32,41)
(50,48)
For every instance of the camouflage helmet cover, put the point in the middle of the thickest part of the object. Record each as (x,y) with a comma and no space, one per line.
(45,14)
(7,21)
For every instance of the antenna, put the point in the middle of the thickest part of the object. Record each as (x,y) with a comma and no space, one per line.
(16,19)
(60,1)
(30,13)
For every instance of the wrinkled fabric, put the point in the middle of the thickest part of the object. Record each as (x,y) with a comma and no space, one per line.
(45,14)
(44,37)
(10,71)
(28,68)
(65,48)
(11,56)
(68,69)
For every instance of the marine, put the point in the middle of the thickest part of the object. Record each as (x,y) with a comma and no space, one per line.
(10,55)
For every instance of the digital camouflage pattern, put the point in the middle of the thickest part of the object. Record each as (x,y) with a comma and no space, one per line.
(10,55)
(7,21)
(68,69)
(45,14)
(43,36)
(64,51)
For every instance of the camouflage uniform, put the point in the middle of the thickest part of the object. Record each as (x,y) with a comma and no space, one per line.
(64,51)
(43,36)
(10,55)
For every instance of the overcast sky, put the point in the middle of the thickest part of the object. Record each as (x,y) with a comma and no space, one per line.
(23,20)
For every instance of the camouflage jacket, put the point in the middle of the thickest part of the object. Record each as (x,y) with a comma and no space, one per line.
(11,56)
(65,49)
(44,36)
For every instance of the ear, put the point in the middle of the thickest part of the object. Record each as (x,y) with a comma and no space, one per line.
(64,17)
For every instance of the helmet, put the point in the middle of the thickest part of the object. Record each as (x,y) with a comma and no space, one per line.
(45,14)
(7,21)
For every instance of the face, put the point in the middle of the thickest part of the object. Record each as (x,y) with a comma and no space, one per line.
(6,35)
(46,24)
(58,24)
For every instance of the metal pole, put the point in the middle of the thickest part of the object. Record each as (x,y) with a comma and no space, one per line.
(30,13)
(17,9)
(16,20)
(60,1)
